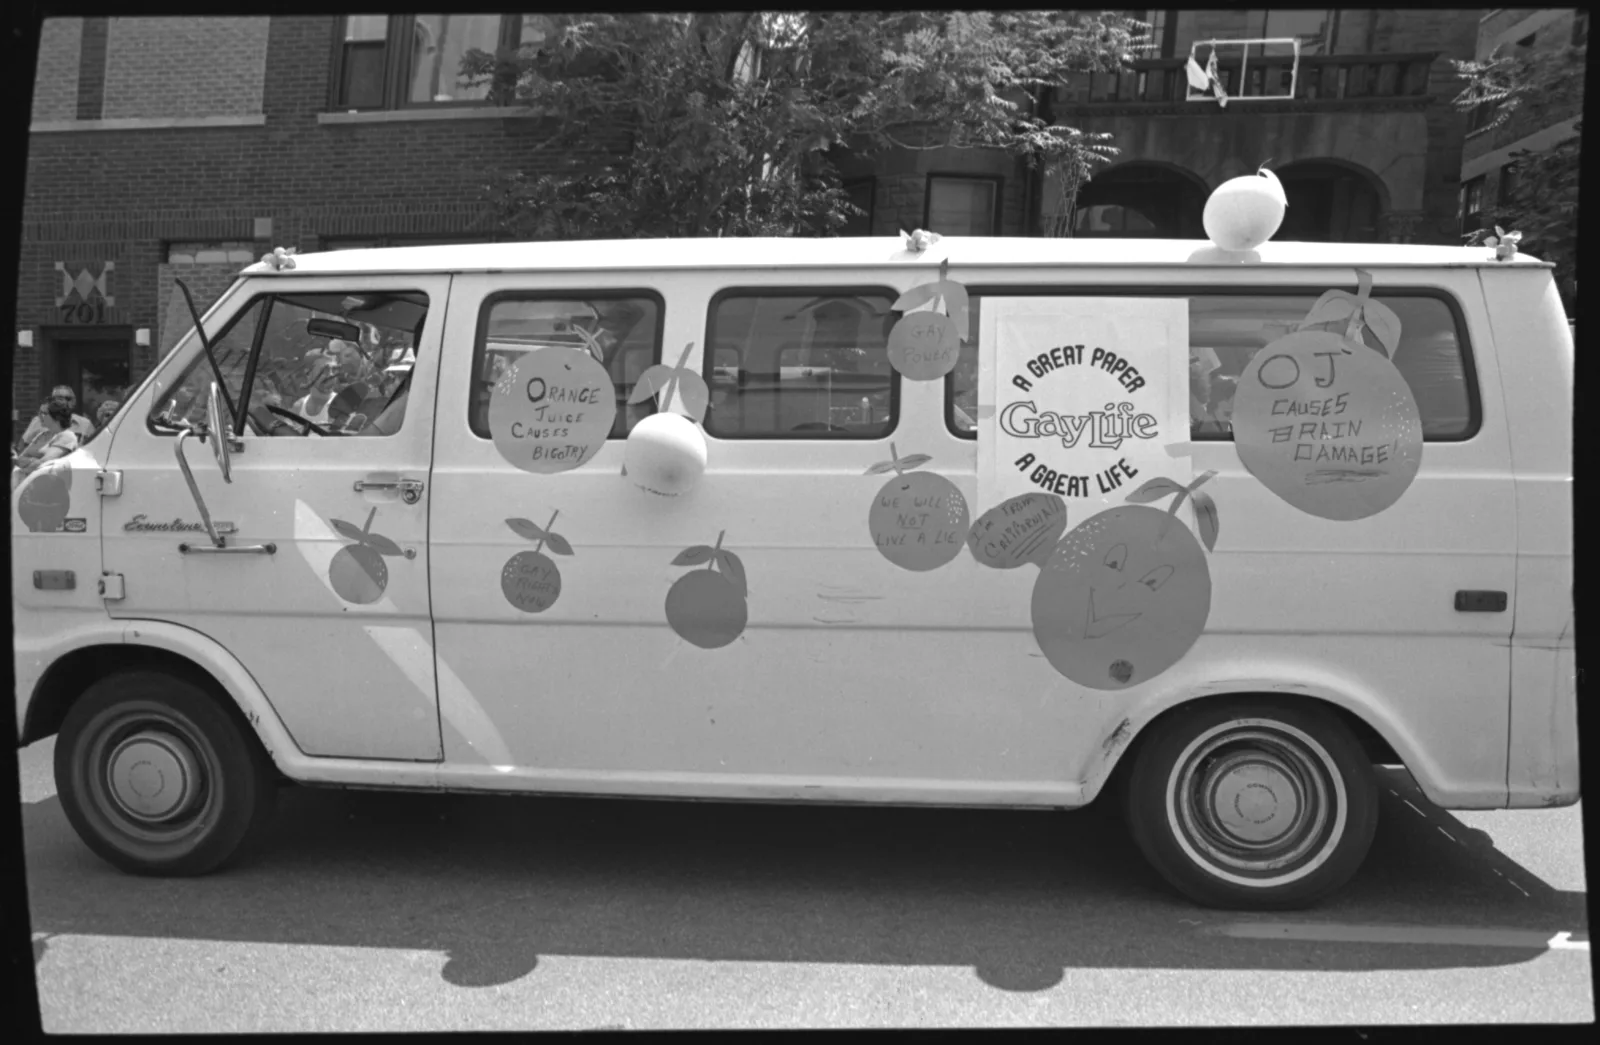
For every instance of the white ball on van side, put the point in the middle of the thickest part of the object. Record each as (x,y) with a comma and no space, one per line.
(1244,212)
(665,454)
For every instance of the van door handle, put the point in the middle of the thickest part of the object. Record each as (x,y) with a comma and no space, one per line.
(410,489)
(1481,602)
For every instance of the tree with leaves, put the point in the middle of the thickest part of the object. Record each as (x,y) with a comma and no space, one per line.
(1533,91)
(732,123)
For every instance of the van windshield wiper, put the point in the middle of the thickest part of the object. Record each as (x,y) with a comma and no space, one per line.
(205,342)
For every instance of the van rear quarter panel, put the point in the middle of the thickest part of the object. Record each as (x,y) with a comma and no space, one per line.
(1534,344)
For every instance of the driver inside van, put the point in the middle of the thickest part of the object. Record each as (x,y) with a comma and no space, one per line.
(313,406)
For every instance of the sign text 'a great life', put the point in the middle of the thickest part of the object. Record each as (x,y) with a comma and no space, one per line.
(1106,429)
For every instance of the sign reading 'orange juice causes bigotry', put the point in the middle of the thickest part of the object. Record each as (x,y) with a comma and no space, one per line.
(1080,397)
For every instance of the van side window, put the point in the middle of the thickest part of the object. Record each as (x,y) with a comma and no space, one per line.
(807,363)
(621,328)
(1226,330)
(340,361)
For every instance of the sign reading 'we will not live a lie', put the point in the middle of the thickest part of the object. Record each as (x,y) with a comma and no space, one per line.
(1080,397)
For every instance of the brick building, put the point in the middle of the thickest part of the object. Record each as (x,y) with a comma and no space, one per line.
(167,147)
(1544,119)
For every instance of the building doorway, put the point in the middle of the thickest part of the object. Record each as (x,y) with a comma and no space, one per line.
(1328,203)
(1141,200)
(96,367)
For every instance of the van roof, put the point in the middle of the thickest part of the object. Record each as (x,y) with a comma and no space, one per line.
(964,252)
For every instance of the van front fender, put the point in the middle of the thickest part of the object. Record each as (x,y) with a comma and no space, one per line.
(213,658)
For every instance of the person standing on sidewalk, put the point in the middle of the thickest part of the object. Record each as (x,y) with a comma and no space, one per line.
(64,395)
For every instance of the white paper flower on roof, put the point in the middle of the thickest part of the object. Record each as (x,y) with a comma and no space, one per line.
(1504,243)
(280,258)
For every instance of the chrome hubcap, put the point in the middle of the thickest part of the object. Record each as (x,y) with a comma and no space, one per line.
(1255,800)
(1252,797)
(154,776)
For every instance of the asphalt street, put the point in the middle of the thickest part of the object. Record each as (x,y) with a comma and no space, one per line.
(383,912)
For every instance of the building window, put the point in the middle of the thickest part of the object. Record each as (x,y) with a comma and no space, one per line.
(1471,208)
(235,252)
(860,193)
(962,206)
(1314,29)
(1507,190)
(1481,116)
(1113,219)
(1159,44)
(802,363)
(399,61)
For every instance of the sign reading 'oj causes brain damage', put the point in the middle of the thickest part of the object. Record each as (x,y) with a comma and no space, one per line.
(1081,397)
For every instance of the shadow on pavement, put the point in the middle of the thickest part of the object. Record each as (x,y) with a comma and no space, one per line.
(495,882)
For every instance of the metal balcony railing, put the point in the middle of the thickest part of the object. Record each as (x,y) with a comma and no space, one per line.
(1321,78)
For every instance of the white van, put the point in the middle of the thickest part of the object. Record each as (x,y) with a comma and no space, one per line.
(364,590)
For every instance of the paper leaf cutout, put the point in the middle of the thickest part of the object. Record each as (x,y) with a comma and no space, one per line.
(1384,324)
(558,544)
(915,297)
(880,468)
(651,382)
(700,553)
(1154,490)
(525,529)
(349,531)
(1331,307)
(956,303)
(733,569)
(914,461)
(382,544)
(694,395)
(1205,516)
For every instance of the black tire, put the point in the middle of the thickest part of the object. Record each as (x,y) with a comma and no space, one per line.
(166,743)
(1298,765)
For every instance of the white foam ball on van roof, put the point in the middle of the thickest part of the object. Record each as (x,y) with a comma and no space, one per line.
(1243,213)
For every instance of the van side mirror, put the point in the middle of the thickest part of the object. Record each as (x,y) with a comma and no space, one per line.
(213,430)
(217,433)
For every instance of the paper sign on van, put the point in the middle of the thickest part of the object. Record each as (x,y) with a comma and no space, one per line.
(1086,394)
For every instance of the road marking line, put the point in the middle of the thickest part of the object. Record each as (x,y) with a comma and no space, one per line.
(1414,809)
(1413,934)
(1447,834)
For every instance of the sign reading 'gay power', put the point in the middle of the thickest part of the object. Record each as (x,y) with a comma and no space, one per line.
(1083,396)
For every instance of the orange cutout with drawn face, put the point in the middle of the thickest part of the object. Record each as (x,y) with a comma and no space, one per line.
(1119,601)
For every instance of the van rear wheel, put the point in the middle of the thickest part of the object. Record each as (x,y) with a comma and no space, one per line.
(158,778)
(1253,806)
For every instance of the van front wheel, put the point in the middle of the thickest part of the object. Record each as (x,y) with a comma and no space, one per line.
(1253,806)
(158,778)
